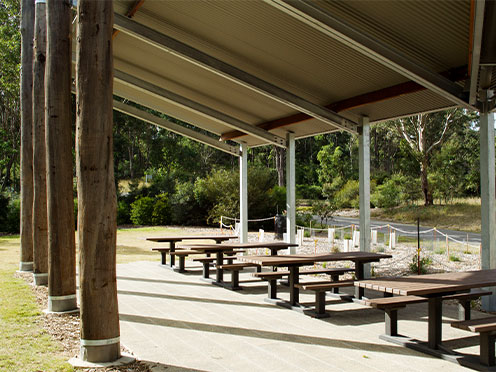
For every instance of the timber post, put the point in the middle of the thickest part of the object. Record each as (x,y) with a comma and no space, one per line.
(97,225)
(27,33)
(61,239)
(40,224)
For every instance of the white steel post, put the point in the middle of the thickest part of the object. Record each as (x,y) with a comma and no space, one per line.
(488,220)
(290,192)
(243,194)
(364,175)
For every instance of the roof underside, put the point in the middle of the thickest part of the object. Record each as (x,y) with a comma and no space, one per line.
(296,56)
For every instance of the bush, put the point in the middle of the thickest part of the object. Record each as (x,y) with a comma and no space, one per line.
(387,195)
(161,210)
(347,196)
(425,262)
(10,209)
(308,192)
(184,206)
(142,211)
(123,213)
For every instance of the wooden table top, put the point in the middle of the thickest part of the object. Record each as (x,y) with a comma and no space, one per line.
(164,239)
(432,283)
(270,245)
(301,259)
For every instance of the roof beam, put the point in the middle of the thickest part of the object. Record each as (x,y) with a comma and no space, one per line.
(475,43)
(488,52)
(176,128)
(230,72)
(199,108)
(321,20)
(130,14)
(394,91)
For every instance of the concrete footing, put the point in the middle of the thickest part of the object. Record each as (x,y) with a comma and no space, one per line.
(40,278)
(26,266)
(61,304)
(98,351)
(122,361)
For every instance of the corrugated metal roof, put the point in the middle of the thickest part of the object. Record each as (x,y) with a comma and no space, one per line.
(269,44)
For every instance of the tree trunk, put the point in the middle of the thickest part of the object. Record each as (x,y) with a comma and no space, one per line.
(96,189)
(61,240)
(27,32)
(40,228)
(280,165)
(428,200)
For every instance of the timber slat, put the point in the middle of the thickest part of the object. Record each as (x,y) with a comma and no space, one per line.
(477,325)
(324,286)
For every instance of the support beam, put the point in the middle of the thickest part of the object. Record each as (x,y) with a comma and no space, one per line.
(290,191)
(488,52)
(488,219)
(311,14)
(199,108)
(243,194)
(364,187)
(176,128)
(27,34)
(475,51)
(40,223)
(456,74)
(59,140)
(232,73)
(97,220)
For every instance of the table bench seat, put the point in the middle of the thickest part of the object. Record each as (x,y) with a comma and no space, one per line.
(391,305)
(163,253)
(320,289)
(235,268)
(486,328)
(207,261)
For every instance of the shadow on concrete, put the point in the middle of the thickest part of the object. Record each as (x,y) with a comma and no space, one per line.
(159,367)
(160,281)
(197,299)
(268,335)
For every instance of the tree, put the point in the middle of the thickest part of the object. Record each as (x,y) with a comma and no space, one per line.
(424,134)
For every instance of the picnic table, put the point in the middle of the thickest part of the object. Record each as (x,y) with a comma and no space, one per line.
(294,261)
(433,287)
(219,250)
(172,240)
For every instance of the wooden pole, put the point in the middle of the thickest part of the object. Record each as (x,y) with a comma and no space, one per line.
(97,226)
(61,240)
(40,227)
(27,32)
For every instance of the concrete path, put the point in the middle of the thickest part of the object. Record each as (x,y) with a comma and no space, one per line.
(185,324)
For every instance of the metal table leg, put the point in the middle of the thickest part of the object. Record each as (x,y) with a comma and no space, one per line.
(172,257)
(435,322)
(294,278)
(218,271)
(359,292)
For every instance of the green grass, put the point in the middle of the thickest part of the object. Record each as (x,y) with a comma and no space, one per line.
(24,345)
(454,258)
(463,214)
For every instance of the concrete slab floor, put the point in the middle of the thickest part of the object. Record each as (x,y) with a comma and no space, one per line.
(181,323)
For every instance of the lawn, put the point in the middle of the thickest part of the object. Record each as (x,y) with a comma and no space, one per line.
(24,344)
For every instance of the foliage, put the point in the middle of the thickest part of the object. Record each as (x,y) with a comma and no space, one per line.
(10,46)
(425,262)
(123,213)
(347,196)
(9,214)
(185,208)
(161,210)
(142,211)
(323,209)
(309,192)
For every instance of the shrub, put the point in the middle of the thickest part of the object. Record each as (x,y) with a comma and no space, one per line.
(123,213)
(184,206)
(308,192)
(347,196)
(425,262)
(142,211)
(161,210)
(387,195)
